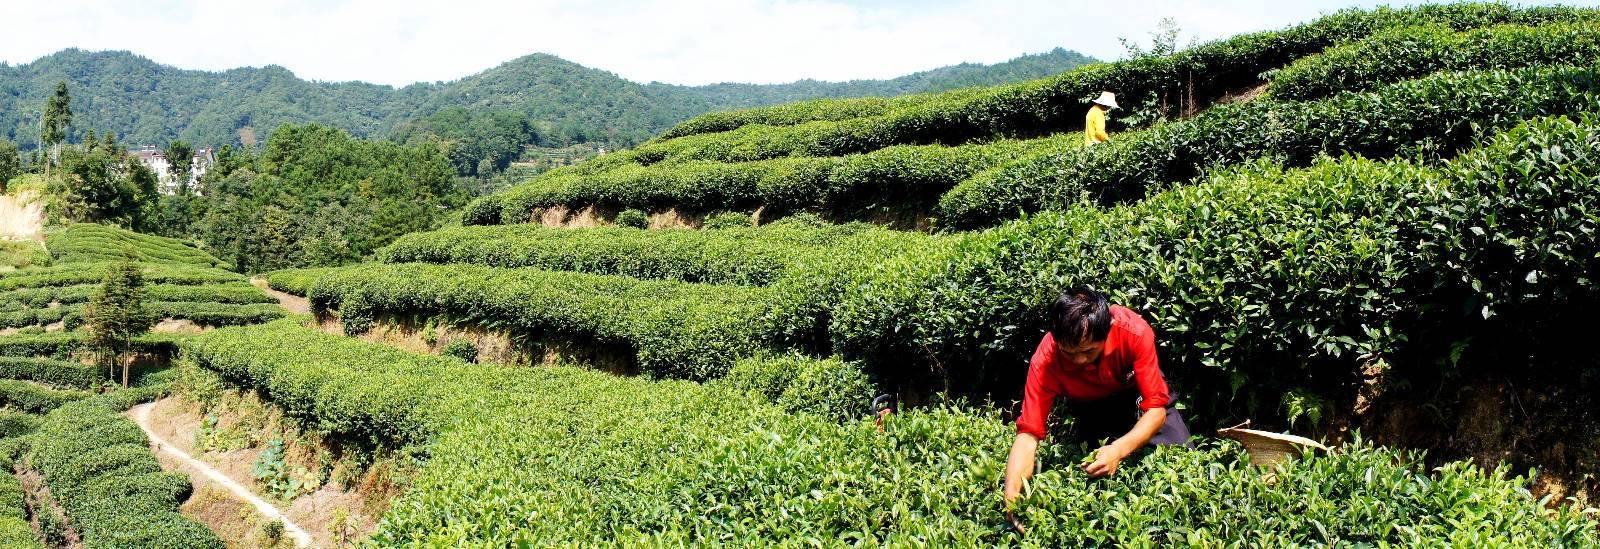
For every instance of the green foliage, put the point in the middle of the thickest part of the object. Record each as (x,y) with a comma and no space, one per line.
(744,471)
(25,253)
(116,314)
(96,184)
(10,163)
(55,373)
(564,103)
(461,349)
(673,329)
(316,196)
(756,256)
(63,345)
(274,475)
(34,398)
(632,218)
(1432,118)
(57,117)
(15,424)
(1412,52)
(98,466)
(15,532)
(300,281)
(830,388)
(727,220)
(90,242)
(1281,278)
(1168,84)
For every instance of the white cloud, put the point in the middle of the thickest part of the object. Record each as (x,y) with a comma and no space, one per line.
(683,42)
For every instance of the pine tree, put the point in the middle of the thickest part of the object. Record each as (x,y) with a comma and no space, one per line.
(57,117)
(116,314)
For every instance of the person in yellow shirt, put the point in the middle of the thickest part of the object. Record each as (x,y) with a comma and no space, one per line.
(1094,125)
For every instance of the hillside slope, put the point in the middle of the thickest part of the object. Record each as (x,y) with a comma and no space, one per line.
(146,102)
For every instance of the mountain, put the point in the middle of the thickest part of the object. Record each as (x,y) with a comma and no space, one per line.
(147,102)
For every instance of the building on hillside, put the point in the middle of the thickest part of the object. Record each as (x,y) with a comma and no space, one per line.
(156,159)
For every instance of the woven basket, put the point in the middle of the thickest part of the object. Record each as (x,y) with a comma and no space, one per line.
(1267,448)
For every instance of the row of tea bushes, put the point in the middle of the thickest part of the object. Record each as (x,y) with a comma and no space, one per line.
(900,175)
(66,345)
(79,274)
(754,256)
(15,531)
(594,458)
(49,371)
(1433,117)
(1151,88)
(98,466)
(238,293)
(1264,279)
(26,253)
(202,313)
(1412,52)
(672,329)
(92,242)
(298,281)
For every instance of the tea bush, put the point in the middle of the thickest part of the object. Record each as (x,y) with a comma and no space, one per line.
(78,274)
(14,424)
(90,242)
(1433,117)
(15,532)
(898,175)
(634,218)
(581,457)
(298,281)
(98,466)
(22,254)
(64,345)
(1159,84)
(55,373)
(673,329)
(1411,52)
(34,398)
(205,314)
(829,388)
(756,256)
(461,349)
(1262,278)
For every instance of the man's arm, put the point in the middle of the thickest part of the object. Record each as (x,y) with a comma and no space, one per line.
(1019,467)
(1108,457)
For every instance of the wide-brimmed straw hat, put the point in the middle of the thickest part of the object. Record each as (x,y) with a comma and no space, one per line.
(1108,99)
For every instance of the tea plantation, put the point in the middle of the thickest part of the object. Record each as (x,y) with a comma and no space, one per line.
(1369,228)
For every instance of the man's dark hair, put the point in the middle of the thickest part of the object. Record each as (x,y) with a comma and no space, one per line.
(1080,314)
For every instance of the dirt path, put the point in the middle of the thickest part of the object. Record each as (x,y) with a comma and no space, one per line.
(200,472)
(295,304)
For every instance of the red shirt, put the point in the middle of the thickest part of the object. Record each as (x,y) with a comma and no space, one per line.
(1127,361)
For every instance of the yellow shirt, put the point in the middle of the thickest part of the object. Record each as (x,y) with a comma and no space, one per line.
(1094,126)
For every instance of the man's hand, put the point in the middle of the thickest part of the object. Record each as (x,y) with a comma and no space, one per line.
(1106,460)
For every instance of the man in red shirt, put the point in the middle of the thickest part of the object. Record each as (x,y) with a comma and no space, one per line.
(1102,358)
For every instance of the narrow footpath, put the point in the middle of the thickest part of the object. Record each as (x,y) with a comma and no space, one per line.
(293,303)
(198,470)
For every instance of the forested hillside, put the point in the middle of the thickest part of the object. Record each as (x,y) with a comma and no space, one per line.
(146,102)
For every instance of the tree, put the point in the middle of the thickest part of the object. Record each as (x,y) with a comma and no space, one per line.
(10,163)
(1164,41)
(116,315)
(96,185)
(180,158)
(57,117)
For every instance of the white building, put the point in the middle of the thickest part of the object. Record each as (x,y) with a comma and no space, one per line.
(156,159)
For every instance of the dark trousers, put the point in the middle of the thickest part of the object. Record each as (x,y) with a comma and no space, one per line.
(1109,418)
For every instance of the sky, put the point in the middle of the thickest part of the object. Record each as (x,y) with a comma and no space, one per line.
(675,41)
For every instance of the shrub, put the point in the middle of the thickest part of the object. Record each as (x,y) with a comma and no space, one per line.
(98,466)
(1261,281)
(673,329)
(744,471)
(22,254)
(89,242)
(15,532)
(1433,118)
(14,424)
(634,218)
(727,220)
(830,388)
(56,373)
(35,399)
(1162,86)
(461,349)
(1412,52)
(296,281)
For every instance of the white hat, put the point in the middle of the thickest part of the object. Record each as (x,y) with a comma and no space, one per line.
(1108,99)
